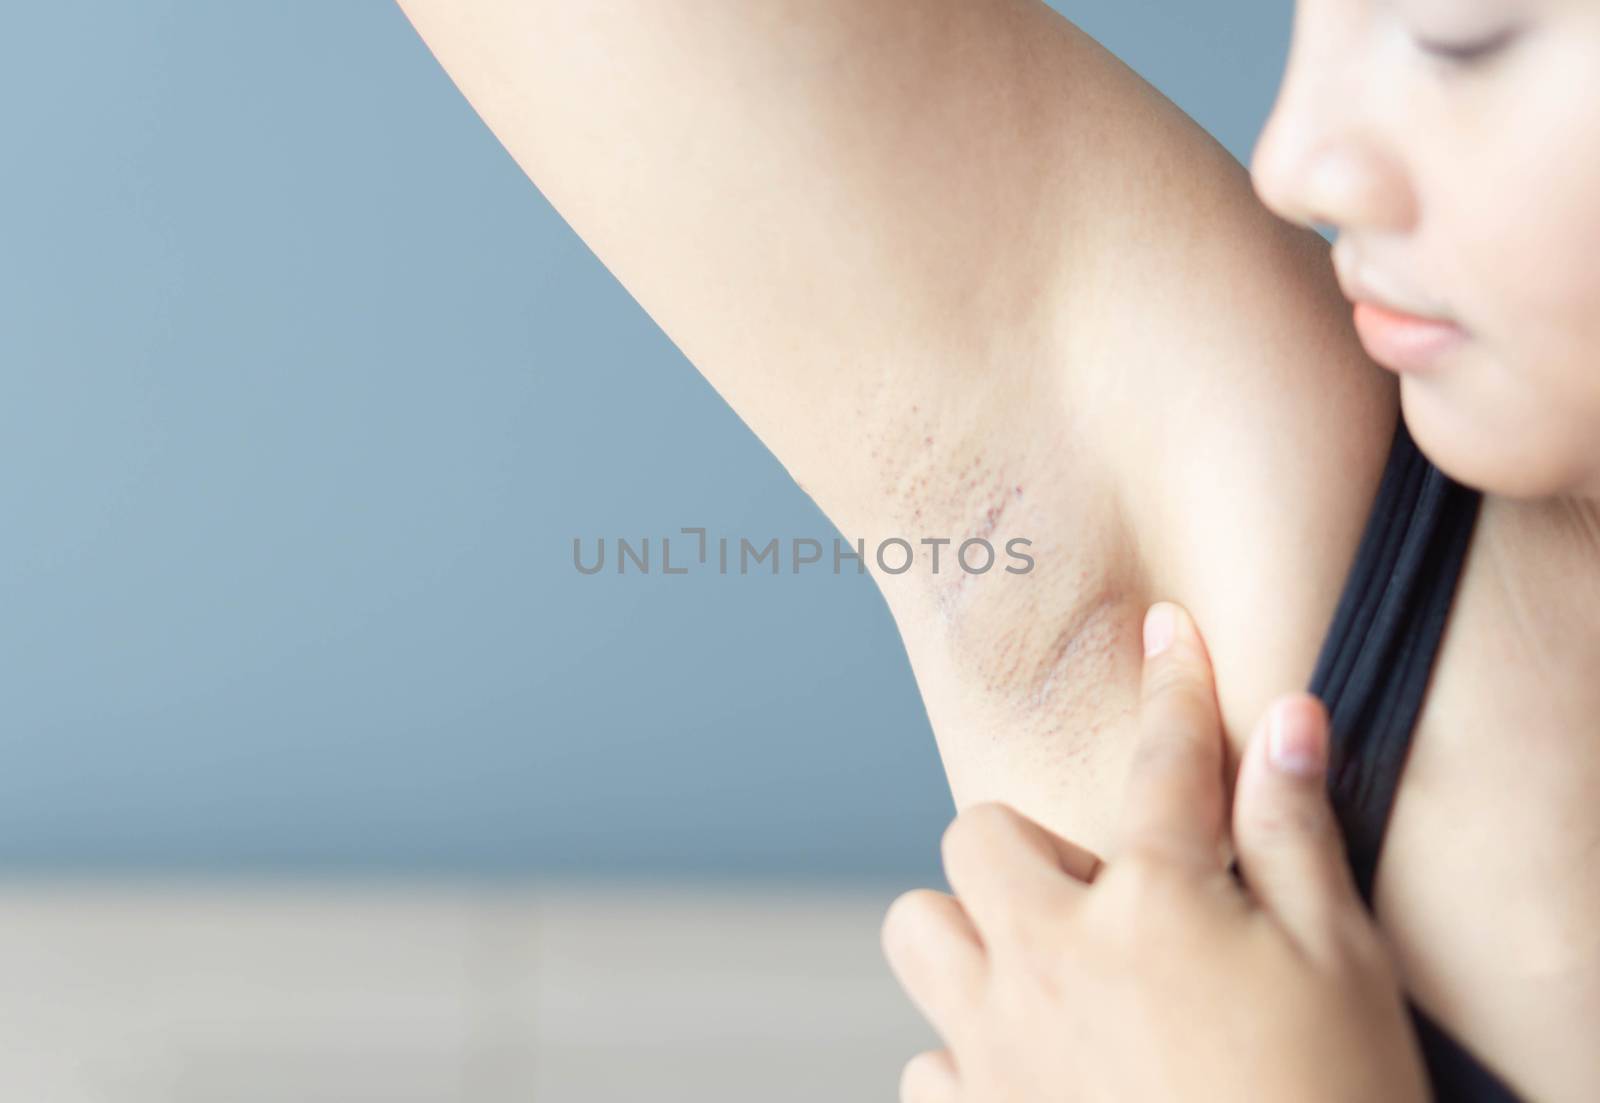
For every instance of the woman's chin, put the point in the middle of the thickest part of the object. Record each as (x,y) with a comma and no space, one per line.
(1498,451)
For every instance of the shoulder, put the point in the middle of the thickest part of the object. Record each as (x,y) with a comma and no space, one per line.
(1189,417)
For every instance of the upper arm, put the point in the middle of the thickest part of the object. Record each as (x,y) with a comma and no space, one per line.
(837,209)
(964,272)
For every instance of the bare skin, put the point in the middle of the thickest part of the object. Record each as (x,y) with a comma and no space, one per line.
(1152,975)
(965,273)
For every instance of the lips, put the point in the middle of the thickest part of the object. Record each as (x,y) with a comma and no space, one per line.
(1404,342)
(1396,331)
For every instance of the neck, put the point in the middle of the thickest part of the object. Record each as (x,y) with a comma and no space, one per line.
(1583,515)
(1545,556)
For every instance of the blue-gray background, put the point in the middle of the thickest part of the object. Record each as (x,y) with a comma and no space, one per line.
(304,393)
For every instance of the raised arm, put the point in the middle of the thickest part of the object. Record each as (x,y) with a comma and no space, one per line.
(963,271)
(829,205)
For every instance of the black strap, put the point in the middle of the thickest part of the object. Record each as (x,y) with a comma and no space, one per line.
(1455,1075)
(1372,675)
(1379,651)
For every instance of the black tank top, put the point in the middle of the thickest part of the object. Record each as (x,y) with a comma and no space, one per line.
(1372,674)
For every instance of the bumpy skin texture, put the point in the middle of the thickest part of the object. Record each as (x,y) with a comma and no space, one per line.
(966,273)
(1156,976)
(963,271)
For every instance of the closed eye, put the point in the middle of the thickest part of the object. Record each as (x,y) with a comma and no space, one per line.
(1467,52)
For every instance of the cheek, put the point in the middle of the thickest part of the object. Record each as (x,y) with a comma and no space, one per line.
(1526,193)
(1518,249)
(1546,222)
(1532,257)
(1523,406)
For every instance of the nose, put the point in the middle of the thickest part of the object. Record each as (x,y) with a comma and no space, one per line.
(1323,159)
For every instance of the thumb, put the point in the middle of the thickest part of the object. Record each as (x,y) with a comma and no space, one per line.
(1285,834)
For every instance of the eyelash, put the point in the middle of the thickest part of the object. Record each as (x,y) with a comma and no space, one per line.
(1469,53)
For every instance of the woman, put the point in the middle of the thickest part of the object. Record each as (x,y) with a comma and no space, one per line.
(967,275)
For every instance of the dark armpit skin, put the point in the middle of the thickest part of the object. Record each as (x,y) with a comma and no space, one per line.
(964,272)
(1038,647)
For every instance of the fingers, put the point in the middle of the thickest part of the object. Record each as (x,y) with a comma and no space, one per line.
(989,830)
(1012,876)
(1175,802)
(929,1078)
(936,955)
(1290,850)
(1006,868)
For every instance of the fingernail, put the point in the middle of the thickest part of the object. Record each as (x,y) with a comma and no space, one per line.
(1297,738)
(1159,625)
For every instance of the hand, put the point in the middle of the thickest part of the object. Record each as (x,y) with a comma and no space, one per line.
(1051,975)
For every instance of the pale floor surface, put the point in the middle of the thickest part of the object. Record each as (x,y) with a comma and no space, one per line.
(117,993)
